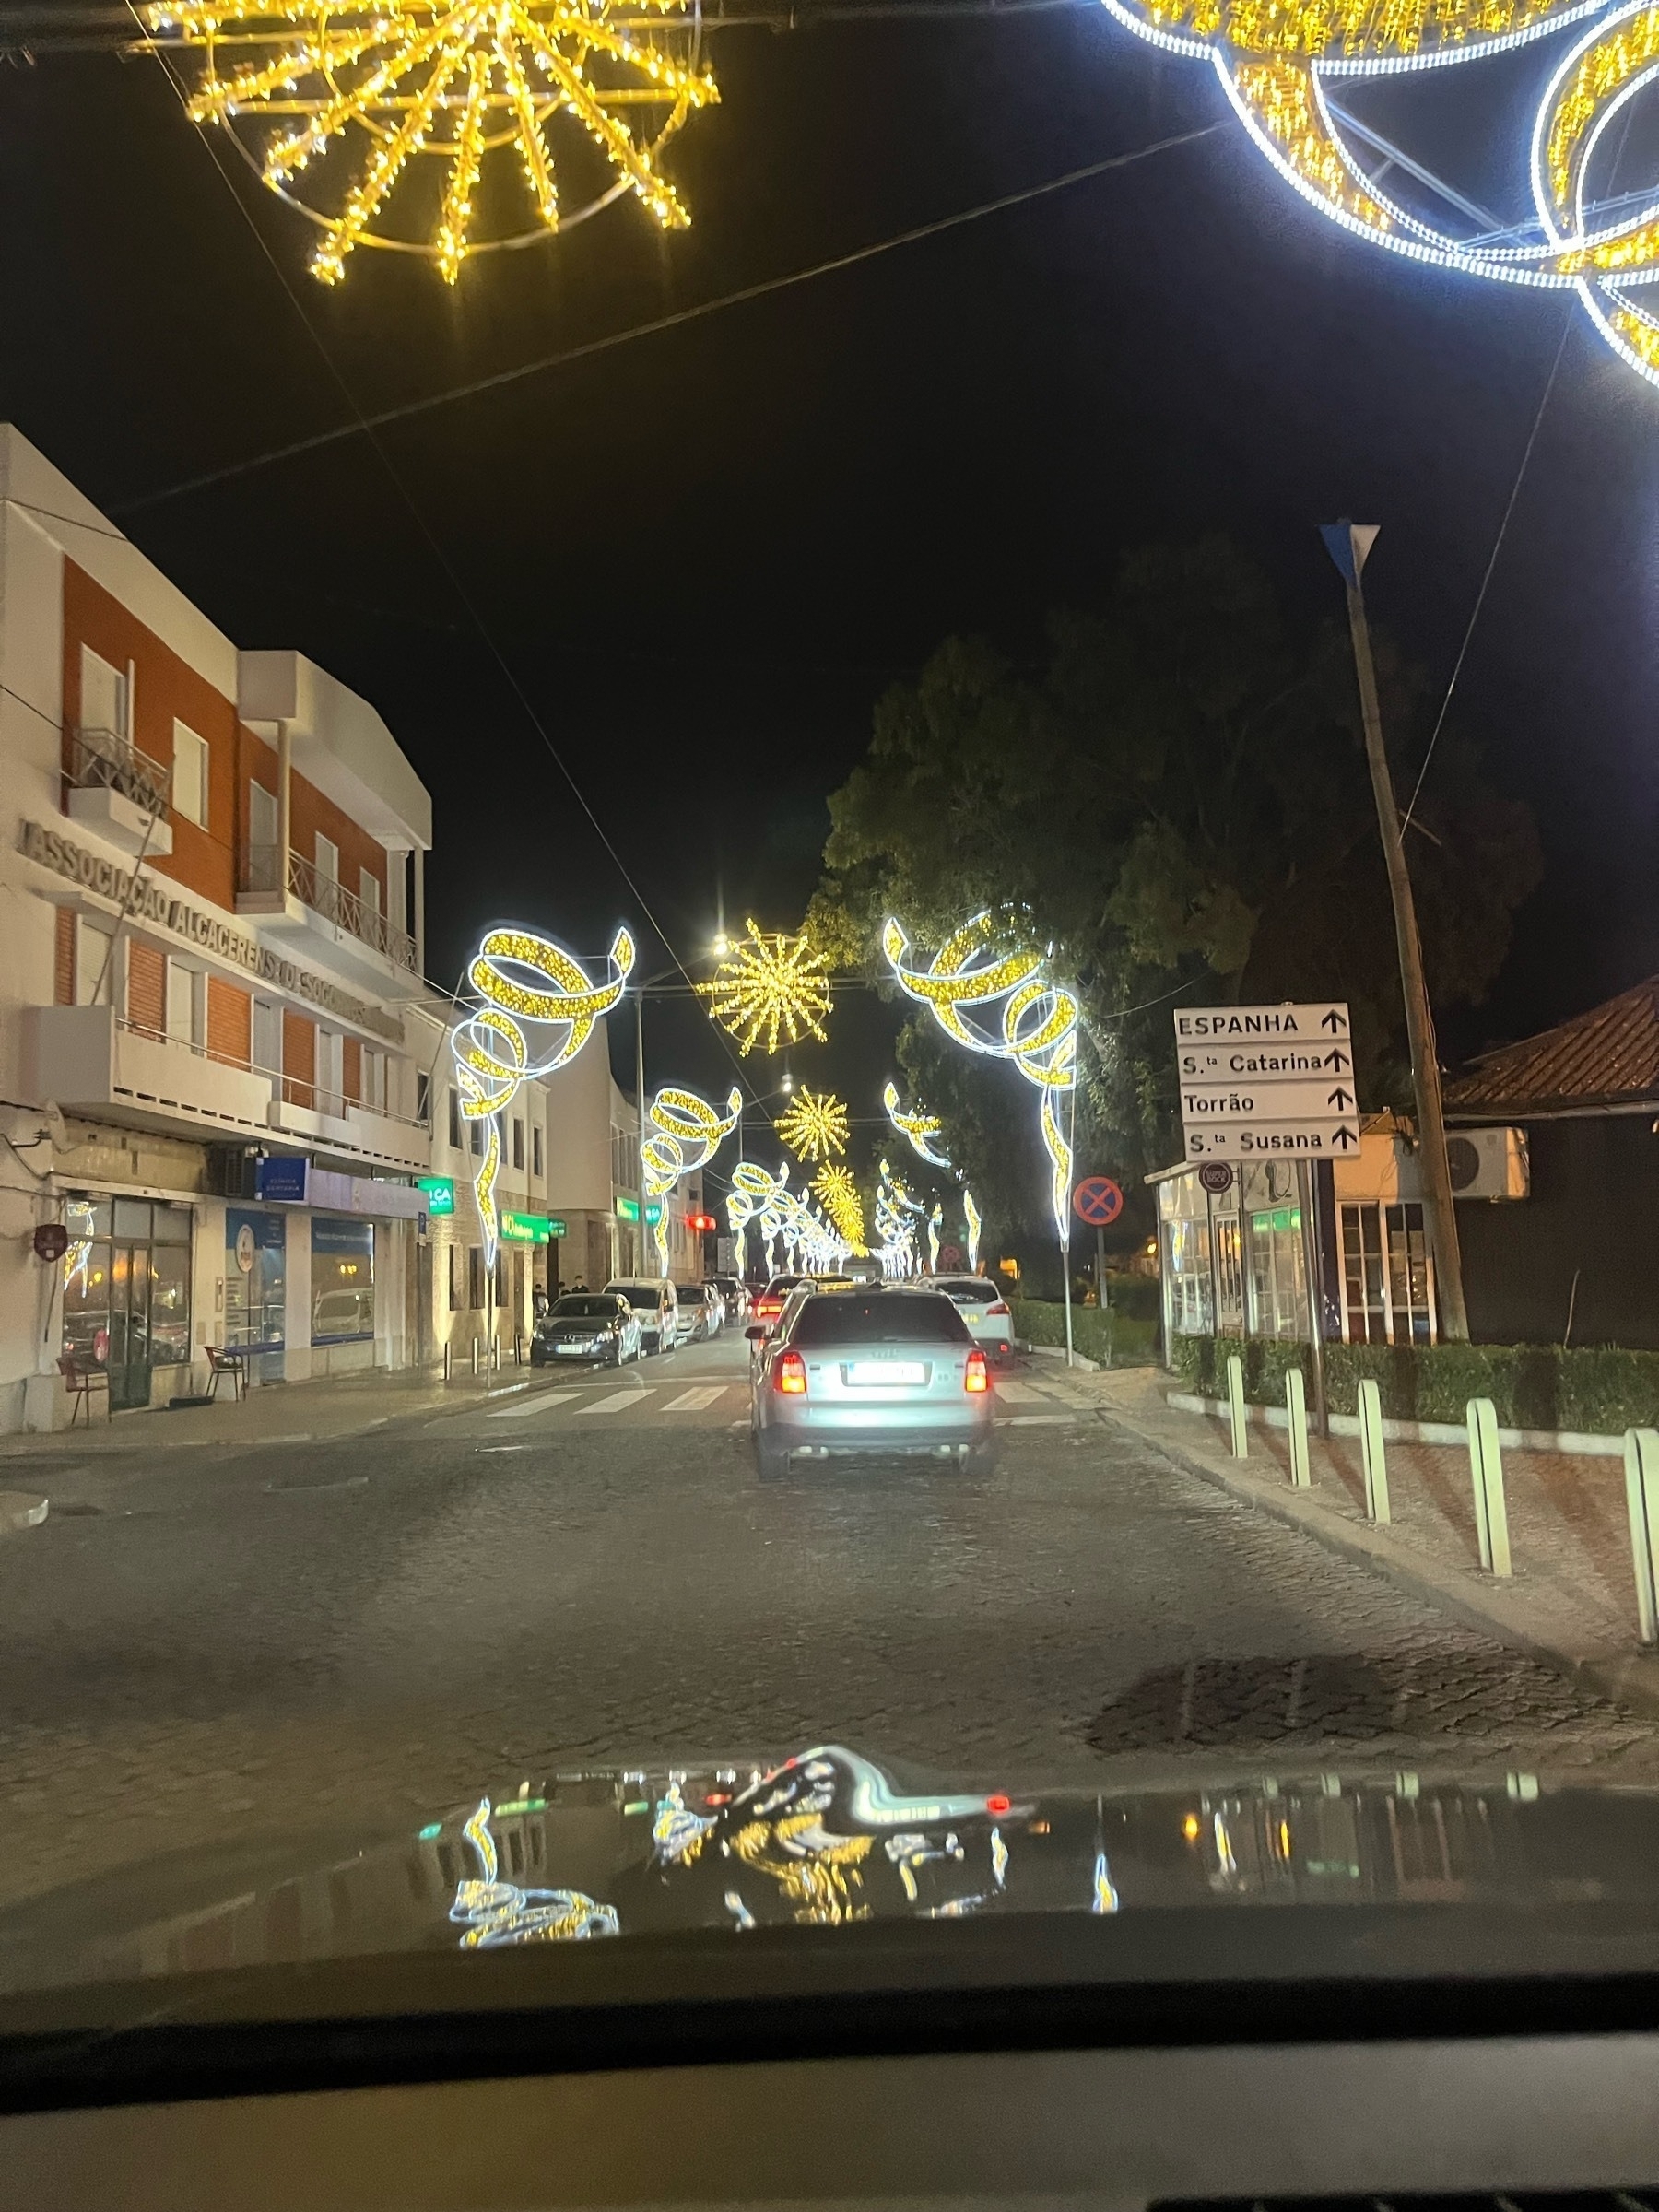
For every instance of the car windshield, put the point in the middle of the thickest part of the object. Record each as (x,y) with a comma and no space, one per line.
(889,1317)
(828,939)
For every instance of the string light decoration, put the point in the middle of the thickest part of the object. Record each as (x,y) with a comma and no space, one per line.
(815,1124)
(921,1130)
(1278,67)
(934,1221)
(771,980)
(810,1240)
(969,975)
(686,1133)
(971,1215)
(538,1008)
(837,1193)
(411,99)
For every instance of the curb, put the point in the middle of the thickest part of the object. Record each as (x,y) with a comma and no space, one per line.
(1573,1442)
(1057,1351)
(1631,1681)
(19,1510)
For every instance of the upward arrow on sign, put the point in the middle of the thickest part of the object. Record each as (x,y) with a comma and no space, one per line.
(1339,1097)
(1336,1060)
(1346,1138)
(1336,1023)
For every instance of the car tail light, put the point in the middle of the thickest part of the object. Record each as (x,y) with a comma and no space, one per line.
(978,1376)
(790,1375)
(1001,1307)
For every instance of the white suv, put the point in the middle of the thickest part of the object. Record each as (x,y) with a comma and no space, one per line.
(658,1308)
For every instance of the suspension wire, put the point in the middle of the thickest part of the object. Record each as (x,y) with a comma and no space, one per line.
(368,424)
(1485,580)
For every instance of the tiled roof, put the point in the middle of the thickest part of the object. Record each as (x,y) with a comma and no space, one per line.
(1607,1057)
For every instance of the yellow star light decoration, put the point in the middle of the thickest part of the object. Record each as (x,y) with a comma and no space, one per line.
(837,1193)
(773,982)
(371,89)
(815,1124)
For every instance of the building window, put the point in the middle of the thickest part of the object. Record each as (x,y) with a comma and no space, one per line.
(536,1150)
(454,1120)
(455,1277)
(368,891)
(328,859)
(331,1072)
(263,863)
(342,1280)
(501,1279)
(267,1037)
(106,696)
(475,1135)
(475,1277)
(93,963)
(190,775)
(1387,1286)
(423,1095)
(518,1142)
(180,1003)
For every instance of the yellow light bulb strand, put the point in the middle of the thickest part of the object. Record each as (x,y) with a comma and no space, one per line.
(293,151)
(686,1133)
(385,165)
(464,171)
(532,146)
(658,195)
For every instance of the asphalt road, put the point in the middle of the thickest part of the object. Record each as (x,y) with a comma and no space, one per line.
(198,1647)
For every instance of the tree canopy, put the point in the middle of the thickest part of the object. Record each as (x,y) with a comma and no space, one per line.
(1176,796)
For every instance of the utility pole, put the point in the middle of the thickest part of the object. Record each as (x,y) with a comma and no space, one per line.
(1348,544)
(640,1096)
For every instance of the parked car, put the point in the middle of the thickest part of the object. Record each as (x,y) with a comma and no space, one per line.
(599,1325)
(769,1303)
(714,1299)
(982,1305)
(734,1293)
(693,1312)
(870,1372)
(657,1310)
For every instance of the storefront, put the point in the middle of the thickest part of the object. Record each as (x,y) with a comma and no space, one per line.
(127,1290)
(256,1289)
(342,1281)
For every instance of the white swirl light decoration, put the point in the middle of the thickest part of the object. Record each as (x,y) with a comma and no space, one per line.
(523,1029)
(921,1132)
(780,1213)
(933,1219)
(687,1131)
(495,1913)
(1038,1030)
(1283,69)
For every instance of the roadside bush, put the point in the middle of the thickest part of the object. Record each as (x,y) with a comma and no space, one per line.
(1113,1339)
(1596,1389)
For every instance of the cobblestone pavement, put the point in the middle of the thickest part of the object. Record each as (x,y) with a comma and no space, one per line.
(232,1643)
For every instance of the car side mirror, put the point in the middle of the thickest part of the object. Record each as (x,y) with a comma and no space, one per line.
(756,1334)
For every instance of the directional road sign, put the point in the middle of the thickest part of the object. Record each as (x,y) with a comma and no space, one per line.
(1266,1082)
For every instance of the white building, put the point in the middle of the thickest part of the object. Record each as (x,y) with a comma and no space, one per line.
(211,885)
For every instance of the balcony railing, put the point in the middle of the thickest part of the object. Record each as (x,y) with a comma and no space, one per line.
(103,759)
(324,896)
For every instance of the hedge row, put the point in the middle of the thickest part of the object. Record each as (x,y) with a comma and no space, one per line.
(1597,1390)
(1113,1339)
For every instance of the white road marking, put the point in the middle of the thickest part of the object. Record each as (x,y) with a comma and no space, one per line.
(618,1399)
(1031,1420)
(694,1401)
(536,1405)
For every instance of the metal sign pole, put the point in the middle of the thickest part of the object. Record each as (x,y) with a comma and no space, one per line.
(1065,1225)
(1310,1230)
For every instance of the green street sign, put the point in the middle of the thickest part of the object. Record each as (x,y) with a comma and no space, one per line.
(524,1228)
(556,1228)
(653,1211)
(439,1194)
(628,1210)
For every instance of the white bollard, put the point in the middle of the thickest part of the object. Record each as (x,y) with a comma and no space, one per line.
(474,1355)
(1486,1469)
(446,1360)
(1235,1406)
(1296,1410)
(1372,1456)
(1642,1498)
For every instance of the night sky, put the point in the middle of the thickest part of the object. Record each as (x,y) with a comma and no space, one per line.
(701,558)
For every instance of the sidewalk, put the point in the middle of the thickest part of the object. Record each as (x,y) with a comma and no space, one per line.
(275,1413)
(1572,1600)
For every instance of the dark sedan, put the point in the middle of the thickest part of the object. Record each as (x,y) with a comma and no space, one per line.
(591,1324)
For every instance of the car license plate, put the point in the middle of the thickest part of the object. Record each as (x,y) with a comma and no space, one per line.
(887,1371)
(568,1351)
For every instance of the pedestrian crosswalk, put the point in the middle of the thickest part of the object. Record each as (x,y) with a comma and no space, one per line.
(1021,1403)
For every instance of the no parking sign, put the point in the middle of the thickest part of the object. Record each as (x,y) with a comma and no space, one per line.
(1098,1201)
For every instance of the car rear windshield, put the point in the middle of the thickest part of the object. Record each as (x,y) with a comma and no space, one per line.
(881,1317)
(585,1309)
(784,1282)
(971,1291)
(641,1294)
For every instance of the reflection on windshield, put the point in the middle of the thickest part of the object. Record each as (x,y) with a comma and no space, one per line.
(494,1912)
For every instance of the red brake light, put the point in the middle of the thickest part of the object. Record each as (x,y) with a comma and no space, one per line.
(1001,1306)
(790,1375)
(999,1805)
(978,1376)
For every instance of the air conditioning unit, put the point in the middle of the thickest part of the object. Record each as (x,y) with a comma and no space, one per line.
(1488,1163)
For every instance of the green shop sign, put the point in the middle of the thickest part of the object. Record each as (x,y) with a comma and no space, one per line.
(528,1228)
(628,1210)
(439,1194)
